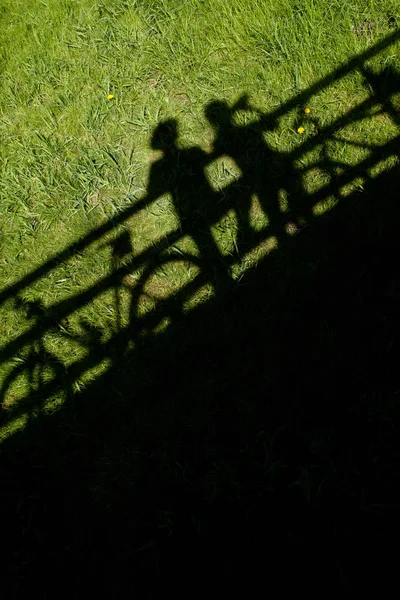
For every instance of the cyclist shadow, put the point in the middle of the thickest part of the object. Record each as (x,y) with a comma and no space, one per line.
(267,175)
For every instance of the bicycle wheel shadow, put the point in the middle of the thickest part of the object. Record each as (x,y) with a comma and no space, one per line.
(255,438)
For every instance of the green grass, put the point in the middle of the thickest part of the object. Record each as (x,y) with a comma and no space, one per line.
(84,86)
(71,158)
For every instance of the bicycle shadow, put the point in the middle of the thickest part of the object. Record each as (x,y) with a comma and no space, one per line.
(268,413)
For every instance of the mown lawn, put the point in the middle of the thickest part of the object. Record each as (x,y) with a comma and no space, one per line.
(199,295)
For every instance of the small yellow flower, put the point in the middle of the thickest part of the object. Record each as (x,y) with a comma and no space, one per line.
(300,130)
(110,96)
(307,110)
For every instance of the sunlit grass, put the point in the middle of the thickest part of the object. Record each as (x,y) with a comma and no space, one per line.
(83,86)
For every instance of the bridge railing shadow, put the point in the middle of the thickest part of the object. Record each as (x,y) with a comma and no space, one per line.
(181,173)
(241,400)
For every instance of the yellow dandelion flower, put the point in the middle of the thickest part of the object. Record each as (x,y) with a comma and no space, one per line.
(300,130)
(307,110)
(110,96)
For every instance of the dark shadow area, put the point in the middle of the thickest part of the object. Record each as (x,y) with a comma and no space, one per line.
(253,446)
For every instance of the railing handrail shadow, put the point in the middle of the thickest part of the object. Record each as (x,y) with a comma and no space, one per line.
(59,310)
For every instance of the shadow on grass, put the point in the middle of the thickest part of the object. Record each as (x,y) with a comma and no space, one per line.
(254,441)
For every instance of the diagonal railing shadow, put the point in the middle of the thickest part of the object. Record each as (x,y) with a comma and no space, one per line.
(229,142)
(257,401)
